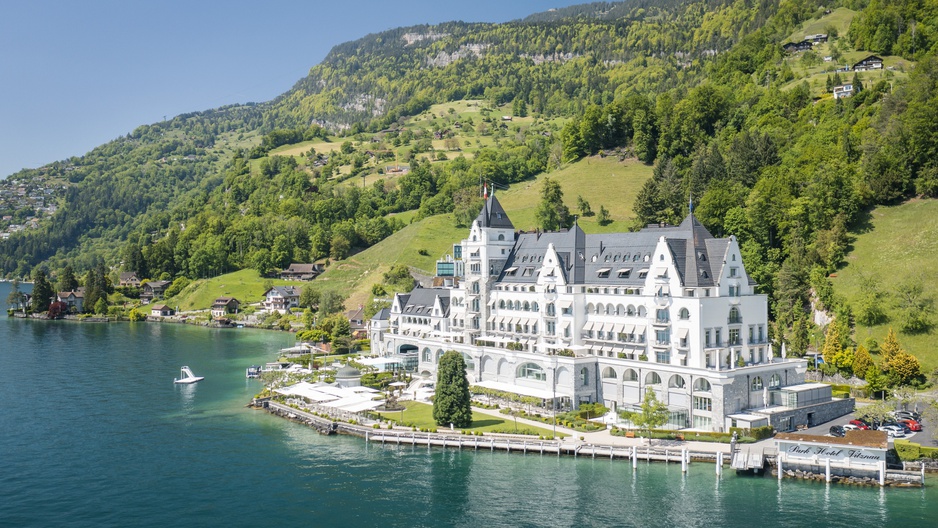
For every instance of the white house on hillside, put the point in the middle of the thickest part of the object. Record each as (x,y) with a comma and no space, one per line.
(281,299)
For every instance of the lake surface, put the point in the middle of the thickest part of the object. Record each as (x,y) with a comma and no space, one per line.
(93,432)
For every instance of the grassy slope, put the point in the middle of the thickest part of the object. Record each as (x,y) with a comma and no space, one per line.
(816,76)
(245,285)
(605,181)
(600,181)
(901,244)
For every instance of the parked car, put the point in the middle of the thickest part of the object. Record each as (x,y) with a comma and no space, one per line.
(904,428)
(894,431)
(837,430)
(859,424)
(912,424)
(907,415)
(849,427)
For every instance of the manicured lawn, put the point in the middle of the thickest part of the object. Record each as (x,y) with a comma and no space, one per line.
(900,244)
(421,415)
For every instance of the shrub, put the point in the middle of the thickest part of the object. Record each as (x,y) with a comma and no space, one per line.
(907,450)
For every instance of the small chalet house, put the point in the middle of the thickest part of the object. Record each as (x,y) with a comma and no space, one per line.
(816,39)
(161,310)
(129,279)
(870,63)
(303,272)
(356,320)
(795,47)
(845,90)
(74,300)
(281,299)
(153,290)
(223,306)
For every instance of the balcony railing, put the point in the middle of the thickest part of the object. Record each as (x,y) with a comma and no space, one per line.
(734,320)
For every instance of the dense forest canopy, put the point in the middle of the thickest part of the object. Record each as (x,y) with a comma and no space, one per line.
(702,90)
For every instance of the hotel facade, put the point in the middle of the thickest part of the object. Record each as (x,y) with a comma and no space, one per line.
(572,318)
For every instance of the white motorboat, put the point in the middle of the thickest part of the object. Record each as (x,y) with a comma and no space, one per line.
(187,376)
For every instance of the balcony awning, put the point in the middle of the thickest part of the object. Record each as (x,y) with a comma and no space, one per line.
(629,329)
(683,332)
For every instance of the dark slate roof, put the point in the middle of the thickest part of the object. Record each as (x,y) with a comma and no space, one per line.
(619,257)
(420,301)
(493,215)
(284,291)
(383,315)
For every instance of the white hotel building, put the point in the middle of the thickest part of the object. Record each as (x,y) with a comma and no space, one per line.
(573,318)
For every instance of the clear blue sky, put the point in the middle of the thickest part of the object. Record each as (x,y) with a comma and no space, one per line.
(76,74)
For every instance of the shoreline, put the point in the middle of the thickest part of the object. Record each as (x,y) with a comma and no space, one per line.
(599,444)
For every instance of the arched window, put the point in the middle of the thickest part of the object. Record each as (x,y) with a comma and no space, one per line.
(630,310)
(475,287)
(701,385)
(534,307)
(527,306)
(599,308)
(630,375)
(609,373)
(584,376)
(757,383)
(642,312)
(551,310)
(427,355)
(620,310)
(676,382)
(652,379)
(517,305)
(734,316)
(609,309)
(590,308)
(532,371)
(501,304)
(470,363)
(684,314)
(775,381)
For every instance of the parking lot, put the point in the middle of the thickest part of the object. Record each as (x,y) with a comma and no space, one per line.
(923,437)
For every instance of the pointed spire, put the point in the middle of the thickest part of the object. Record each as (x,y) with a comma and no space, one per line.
(690,205)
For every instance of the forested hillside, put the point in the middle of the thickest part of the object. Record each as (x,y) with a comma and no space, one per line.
(702,91)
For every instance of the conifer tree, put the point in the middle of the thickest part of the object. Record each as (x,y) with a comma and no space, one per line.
(552,214)
(452,402)
(42,291)
(862,361)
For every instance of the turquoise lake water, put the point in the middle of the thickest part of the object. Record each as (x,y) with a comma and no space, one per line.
(93,432)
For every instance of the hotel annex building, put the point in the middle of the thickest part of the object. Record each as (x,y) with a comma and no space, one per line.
(574,318)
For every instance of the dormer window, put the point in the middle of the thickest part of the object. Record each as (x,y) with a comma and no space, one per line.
(704,274)
(624,273)
(642,274)
(528,271)
(701,256)
(604,273)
